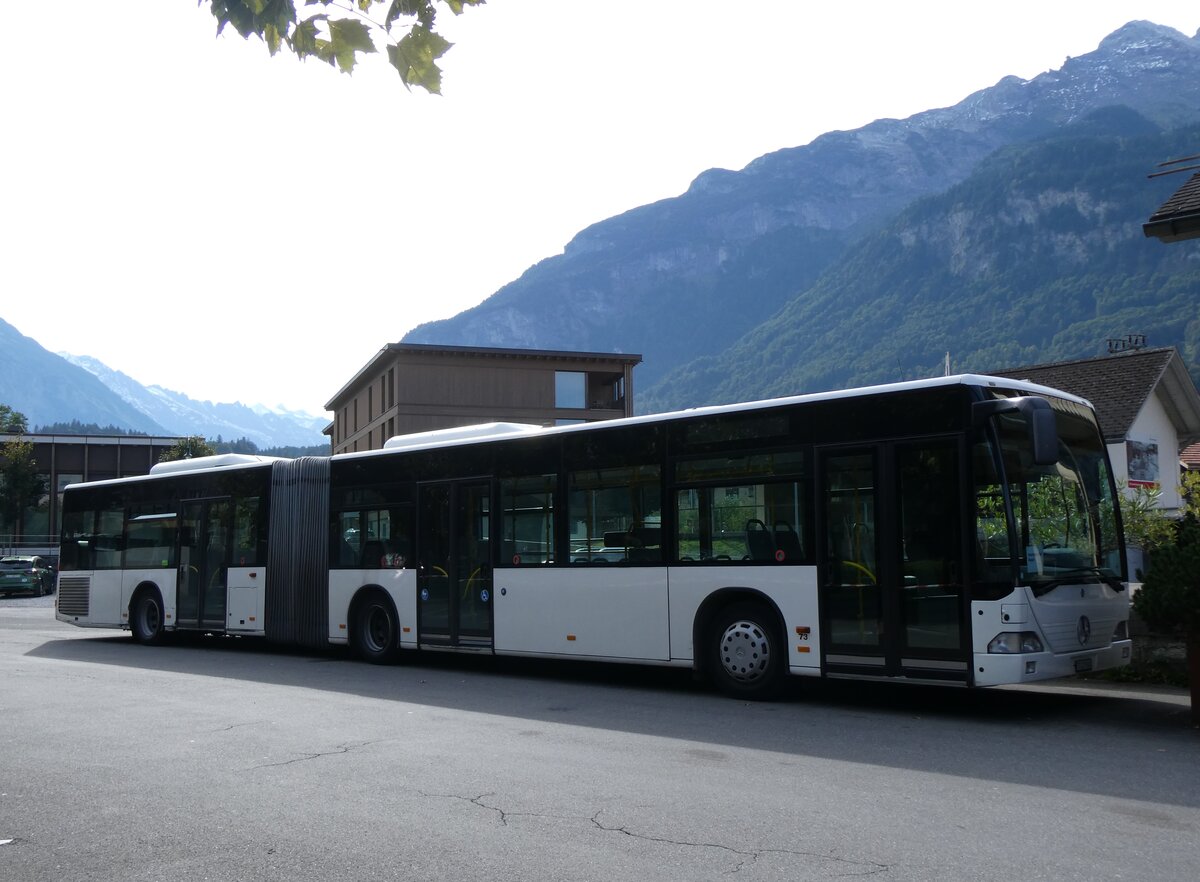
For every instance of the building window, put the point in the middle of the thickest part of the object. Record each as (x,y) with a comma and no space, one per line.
(570,389)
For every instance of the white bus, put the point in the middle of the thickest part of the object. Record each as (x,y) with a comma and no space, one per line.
(958,530)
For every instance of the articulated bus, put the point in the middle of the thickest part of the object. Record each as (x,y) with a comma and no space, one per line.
(961,530)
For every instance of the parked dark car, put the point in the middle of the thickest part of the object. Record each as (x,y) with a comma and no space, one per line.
(26,574)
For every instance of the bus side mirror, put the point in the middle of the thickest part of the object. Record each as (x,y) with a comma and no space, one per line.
(1044,430)
(1039,416)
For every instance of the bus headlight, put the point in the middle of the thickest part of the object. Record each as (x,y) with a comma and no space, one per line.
(1010,642)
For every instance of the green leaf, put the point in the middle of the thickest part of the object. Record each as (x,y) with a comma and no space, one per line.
(457,6)
(422,9)
(348,37)
(415,56)
(273,38)
(305,37)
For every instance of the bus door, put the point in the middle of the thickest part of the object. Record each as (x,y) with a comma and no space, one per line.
(454,575)
(892,565)
(204,536)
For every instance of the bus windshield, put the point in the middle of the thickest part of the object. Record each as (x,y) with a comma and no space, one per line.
(1065,522)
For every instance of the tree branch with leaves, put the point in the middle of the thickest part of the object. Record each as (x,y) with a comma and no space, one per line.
(339,31)
(187,448)
(12,422)
(21,485)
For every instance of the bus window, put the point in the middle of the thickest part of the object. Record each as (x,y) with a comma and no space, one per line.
(249,533)
(743,510)
(76,548)
(374,538)
(993,543)
(929,506)
(527,520)
(110,525)
(854,604)
(150,539)
(615,515)
(744,522)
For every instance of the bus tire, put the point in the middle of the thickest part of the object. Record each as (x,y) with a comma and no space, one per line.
(375,634)
(146,621)
(747,656)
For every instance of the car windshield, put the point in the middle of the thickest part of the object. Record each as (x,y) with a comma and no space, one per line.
(1064,512)
(16,563)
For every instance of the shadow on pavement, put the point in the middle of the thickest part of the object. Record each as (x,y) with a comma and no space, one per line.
(1079,736)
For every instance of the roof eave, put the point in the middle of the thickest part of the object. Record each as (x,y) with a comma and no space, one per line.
(1180,399)
(1173,229)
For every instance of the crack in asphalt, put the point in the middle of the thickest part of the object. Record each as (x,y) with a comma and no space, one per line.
(233,726)
(869,868)
(340,750)
(478,801)
(501,814)
(856,867)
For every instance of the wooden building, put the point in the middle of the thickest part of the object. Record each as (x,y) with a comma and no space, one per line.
(69,459)
(412,387)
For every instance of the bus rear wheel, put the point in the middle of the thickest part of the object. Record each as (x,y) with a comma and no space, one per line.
(746,653)
(375,637)
(146,620)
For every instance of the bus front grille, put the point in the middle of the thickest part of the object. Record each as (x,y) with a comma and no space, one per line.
(73,594)
(1079,633)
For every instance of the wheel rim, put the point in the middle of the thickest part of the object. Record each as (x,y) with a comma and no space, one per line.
(745,651)
(151,617)
(378,631)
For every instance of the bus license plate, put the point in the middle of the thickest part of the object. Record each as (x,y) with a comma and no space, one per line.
(1083,664)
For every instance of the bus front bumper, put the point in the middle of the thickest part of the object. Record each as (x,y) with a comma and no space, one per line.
(995,669)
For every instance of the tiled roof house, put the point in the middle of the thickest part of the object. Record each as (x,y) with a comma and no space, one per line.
(1147,405)
(1179,217)
(1190,458)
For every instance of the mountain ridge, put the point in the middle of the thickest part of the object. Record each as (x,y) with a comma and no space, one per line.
(1041,247)
(51,389)
(186,416)
(683,277)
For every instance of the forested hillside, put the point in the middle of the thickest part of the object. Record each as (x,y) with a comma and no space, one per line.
(1039,255)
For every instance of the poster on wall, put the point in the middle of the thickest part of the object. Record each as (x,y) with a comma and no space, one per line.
(1143,463)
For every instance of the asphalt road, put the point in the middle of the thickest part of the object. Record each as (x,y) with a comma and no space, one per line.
(223,759)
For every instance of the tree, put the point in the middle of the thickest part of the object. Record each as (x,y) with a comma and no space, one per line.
(187,448)
(1169,599)
(20,483)
(12,422)
(336,31)
(1146,525)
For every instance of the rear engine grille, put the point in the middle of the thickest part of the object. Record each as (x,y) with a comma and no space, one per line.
(73,594)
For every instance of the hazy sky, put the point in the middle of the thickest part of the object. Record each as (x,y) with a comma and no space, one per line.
(236,227)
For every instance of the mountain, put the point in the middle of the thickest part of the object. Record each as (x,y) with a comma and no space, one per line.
(684,278)
(1037,256)
(52,389)
(48,389)
(186,416)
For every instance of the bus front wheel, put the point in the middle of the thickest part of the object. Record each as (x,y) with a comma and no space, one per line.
(746,653)
(376,629)
(146,618)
